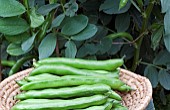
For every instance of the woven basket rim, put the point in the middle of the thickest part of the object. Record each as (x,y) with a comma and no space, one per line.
(132,75)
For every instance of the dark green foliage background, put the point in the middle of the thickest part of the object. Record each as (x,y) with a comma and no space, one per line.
(91,29)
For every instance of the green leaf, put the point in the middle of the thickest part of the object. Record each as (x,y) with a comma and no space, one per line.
(82,52)
(58,20)
(9,8)
(166,22)
(87,33)
(105,18)
(128,51)
(101,33)
(150,105)
(156,37)
(152,74)
(74,25)
(163,96)
(18,39)
(112,7)
(122,22)
(15,50)
(163,58)
(31,3)
(165,4)
(47,46)
(36,19)
(115,47)
(105,45)
(28,43)
(91,48)
(167,41)
(70,50)
(164,77)
(13,26)
(45,9)
(72,8)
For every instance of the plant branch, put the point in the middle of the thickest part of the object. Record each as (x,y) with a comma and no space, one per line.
(62,5)
(134,41)
(146,17)
(145,63)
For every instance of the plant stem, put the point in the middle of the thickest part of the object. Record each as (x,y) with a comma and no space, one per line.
(145,63)
(62,4)
(28,14)
(146,17)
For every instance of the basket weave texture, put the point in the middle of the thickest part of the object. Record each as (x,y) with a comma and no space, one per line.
(134,100)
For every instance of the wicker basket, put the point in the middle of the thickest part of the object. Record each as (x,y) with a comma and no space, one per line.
(134,100)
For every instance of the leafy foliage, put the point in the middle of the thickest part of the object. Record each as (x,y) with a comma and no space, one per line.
(91,29)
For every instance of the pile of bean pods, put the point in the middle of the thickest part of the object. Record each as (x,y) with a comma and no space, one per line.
(72,84)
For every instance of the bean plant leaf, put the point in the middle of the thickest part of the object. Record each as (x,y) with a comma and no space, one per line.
(127,51)
(164,77)
(105,45)
(91,48)
(112,7)
(152,74)
(87,33)
(74,25)
(163,58)
(9,8)
(165,4)
(150,105)
(122,22)
(115,47)
(47,46)
(167,41)
(28,43)
(45,9)
(101,33)
(71,49)
(13,26)
(105,18)
(57,21)
(82,52)
(15,50)
(18,39)
(156,37)
(72,8)
(36,19)
(167,31)
(163,96)
(166,22)
(31,3)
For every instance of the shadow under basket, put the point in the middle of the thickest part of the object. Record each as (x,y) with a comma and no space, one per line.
(134,100)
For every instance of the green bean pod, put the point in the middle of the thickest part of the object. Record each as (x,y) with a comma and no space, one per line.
(59,104)
(7,63)
(21,82)
(40,77)
(66,81)
(109,65)
(66,70)
(112,94)
(67,92)
(18,64)
(107,106)
(125,88)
